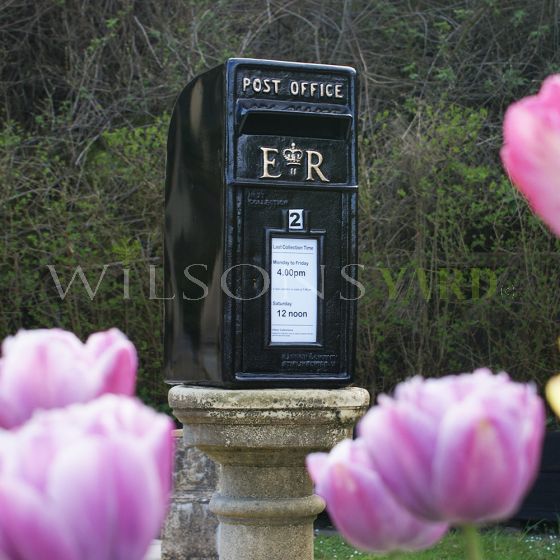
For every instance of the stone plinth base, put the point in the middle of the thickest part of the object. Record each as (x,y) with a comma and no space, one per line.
(190,529)
(265,503)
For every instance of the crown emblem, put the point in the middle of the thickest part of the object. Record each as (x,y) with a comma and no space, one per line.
(293,157)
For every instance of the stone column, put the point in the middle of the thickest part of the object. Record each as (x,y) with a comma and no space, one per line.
(190,529)
(265,503)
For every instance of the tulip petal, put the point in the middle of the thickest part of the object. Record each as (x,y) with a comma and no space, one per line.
(115,414)
(29,529)
(115,510)
(531,153)
(116,361)
(477,467)
(532,427)
(401,442)
(316,464)
(42,369)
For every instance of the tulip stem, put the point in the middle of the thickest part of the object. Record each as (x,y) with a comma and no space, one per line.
(472,540)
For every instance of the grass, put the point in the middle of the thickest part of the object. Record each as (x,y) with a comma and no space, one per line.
(498,544)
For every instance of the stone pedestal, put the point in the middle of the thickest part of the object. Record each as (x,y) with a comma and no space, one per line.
(265,502)
(190,529)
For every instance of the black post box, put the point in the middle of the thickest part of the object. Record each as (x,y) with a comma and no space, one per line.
(261,227)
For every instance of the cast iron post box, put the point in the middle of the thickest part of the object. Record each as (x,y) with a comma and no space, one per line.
(261,227)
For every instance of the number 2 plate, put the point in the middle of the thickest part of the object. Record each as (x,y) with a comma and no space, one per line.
(295,219)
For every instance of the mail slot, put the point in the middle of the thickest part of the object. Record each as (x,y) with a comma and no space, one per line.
(261,227)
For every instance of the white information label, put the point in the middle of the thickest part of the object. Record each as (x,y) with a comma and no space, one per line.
(293,290)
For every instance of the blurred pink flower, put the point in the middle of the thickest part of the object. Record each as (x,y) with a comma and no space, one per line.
(531,151)
(461,449)
(89,482)
(50,368)
(360,506)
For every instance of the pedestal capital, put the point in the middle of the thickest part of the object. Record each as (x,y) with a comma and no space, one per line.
(305,420)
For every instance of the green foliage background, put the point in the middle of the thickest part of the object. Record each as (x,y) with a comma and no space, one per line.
(457,272)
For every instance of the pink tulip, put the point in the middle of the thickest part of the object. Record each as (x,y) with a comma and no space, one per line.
(531,152)
(361,507)
(50,368)
(461,449)
(88,482)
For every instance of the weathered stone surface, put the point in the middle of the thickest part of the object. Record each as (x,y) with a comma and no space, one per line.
(191,528)
(265,502)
